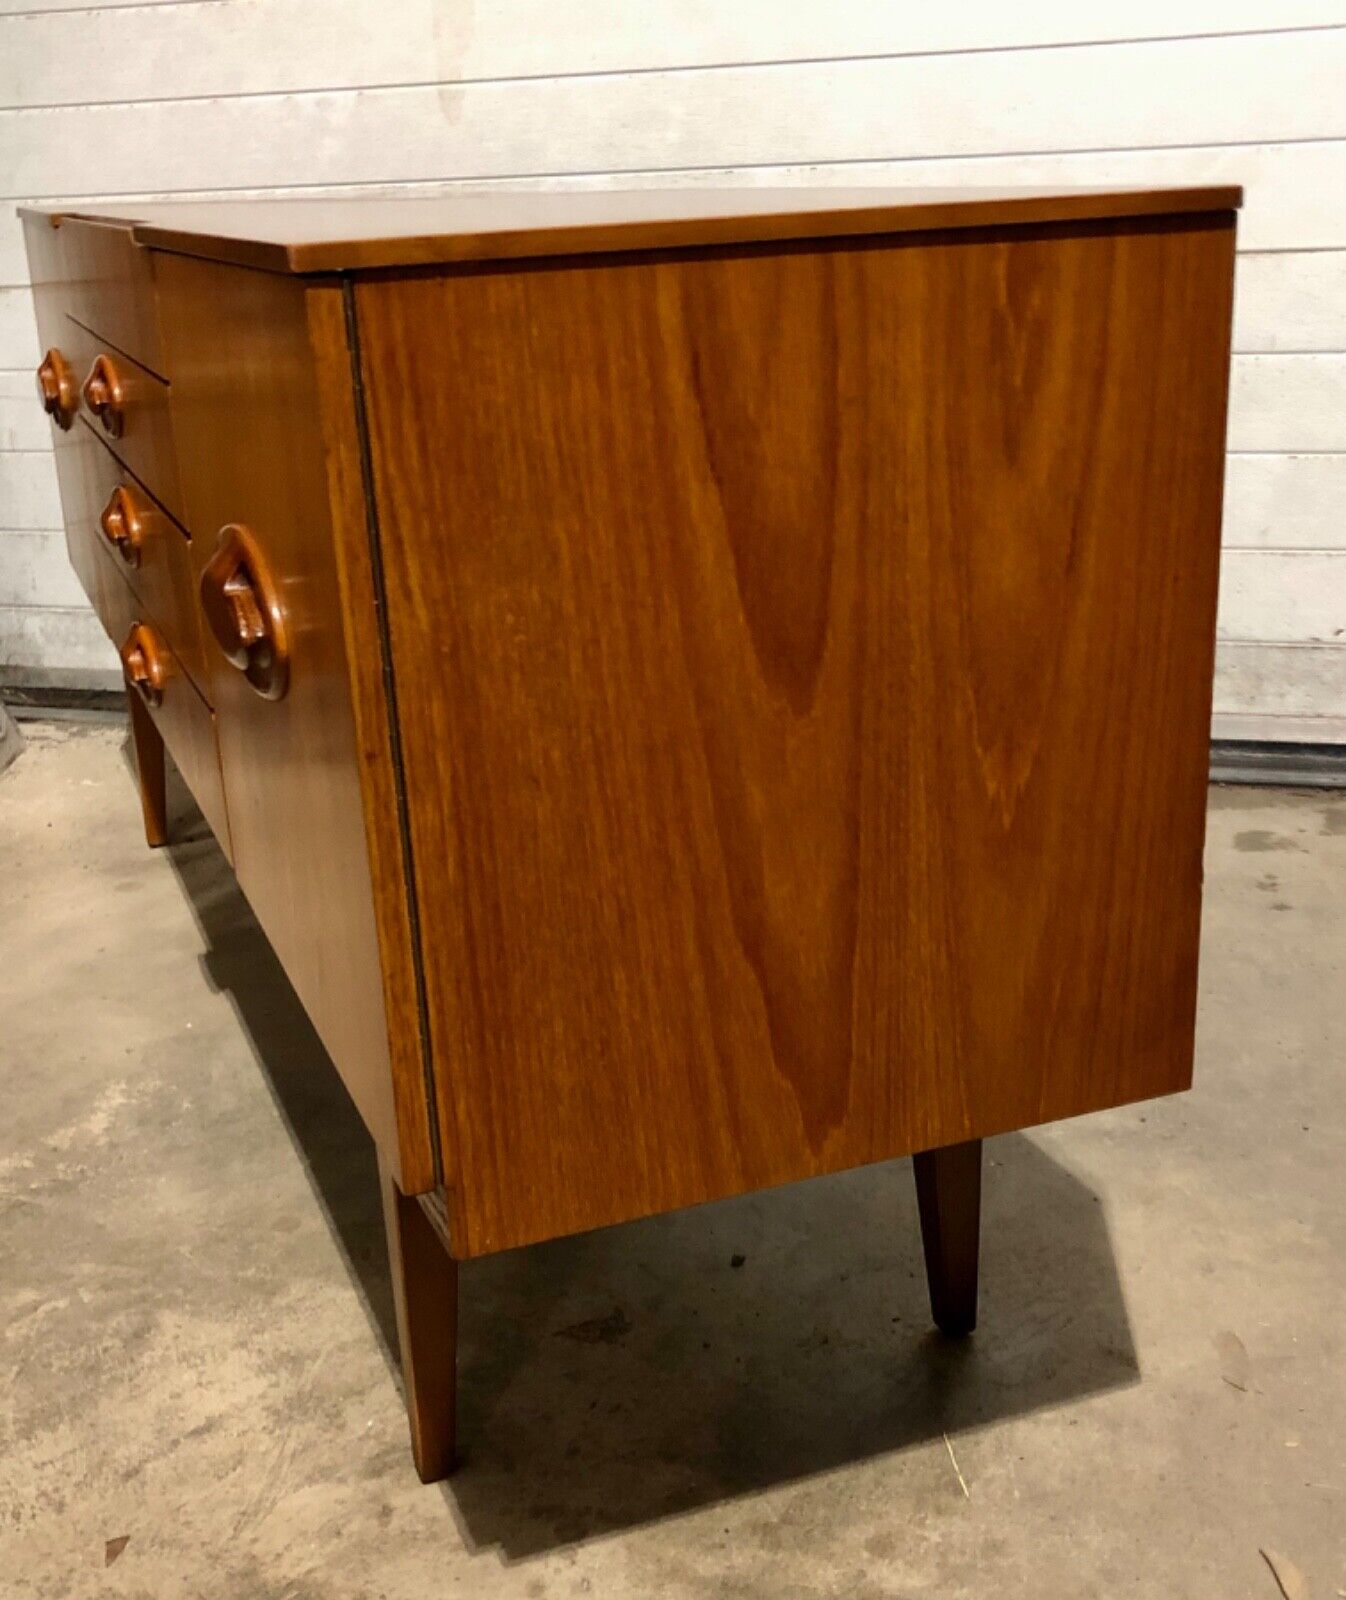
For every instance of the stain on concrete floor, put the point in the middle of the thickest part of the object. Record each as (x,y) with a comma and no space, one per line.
(1263,839)
(197,1327)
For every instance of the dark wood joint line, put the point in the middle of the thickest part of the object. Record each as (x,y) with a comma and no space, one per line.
(434,1204)
(394,723)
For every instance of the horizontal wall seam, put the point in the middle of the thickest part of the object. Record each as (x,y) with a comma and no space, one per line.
(677,69)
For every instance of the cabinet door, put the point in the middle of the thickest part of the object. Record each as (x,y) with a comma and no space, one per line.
(804,665)
(246,412)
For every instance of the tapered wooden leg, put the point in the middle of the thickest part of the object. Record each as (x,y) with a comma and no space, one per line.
(425,1290)
(948,1191)
(149,747)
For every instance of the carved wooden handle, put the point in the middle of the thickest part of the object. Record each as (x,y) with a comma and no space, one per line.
(56,385)
(126,522)
(105,394)
(145,663)
(242,605)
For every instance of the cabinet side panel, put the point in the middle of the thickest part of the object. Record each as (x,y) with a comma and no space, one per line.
(804,661)
(248,421)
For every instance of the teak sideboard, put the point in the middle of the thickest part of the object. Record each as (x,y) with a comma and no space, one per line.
(699,689)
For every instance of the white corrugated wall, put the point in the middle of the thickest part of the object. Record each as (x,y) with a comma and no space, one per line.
(203,97)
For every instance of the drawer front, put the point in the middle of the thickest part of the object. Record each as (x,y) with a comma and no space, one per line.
(57,392)
(127,406)
(185,721)
(106,278)
(152,551)
(77,463)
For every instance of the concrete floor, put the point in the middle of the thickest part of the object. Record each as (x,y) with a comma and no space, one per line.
(195,1329)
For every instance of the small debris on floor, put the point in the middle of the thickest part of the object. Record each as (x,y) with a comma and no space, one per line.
(598,1330)
(114,1547)
(1235,1366)
(1289,1579)
(737,1260)
(962,1481)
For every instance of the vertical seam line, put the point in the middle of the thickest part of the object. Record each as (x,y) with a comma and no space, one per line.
(394,721)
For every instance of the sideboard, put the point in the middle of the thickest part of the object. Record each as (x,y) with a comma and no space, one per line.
(700,689)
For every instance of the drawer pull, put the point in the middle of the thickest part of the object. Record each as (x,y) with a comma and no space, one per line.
(145,664)
(242,606)
(105,395)
(56,385)
(125,522)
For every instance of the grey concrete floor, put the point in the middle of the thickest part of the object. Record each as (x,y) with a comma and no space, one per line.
(195,1346)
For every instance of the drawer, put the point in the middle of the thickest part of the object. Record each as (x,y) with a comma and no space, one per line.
(107,281)
(58,395)
(184,720)
(127,405)
(152,551)
(77,457)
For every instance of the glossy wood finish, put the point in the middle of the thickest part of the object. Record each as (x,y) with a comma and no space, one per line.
(125,521)
(180,716)
(72,442)
(244,611)
(690,718)
(779,635)
(425,1160)
(154,555)
(142,434)
(56,385)
(327,235)
(246,413)
(81,471)
(148,745)
(948,1193)
(144,658)
(107,280)
(104,393)
(425,1293)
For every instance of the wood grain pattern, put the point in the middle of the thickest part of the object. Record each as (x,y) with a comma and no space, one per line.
(163,574)
(148,744)
(243,613)
(425,1296)
(79,458)
(804,658)
(145,660)
(143,441)
(74,446)
(390,871)
(182,719)
(246,414)
(343,235)
(948,1194)
(56,386)
(106,279)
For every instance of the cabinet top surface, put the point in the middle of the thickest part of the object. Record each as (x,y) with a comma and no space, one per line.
(325,235)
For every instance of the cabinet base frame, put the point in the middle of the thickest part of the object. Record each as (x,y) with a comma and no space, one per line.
(425,1286)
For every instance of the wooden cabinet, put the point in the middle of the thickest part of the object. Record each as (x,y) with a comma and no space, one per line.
(704,699)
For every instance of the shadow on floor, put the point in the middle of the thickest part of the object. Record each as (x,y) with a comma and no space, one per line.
(623,1376)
